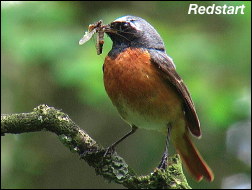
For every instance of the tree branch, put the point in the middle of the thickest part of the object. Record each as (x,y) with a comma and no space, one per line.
(112,167)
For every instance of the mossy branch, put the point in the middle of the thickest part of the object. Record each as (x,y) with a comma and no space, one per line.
(112,167)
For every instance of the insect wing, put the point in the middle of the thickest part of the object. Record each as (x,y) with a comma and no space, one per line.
(87,36)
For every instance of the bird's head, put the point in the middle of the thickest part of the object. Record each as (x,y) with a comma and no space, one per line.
(132,31)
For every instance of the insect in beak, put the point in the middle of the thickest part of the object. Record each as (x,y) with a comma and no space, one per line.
(99,28)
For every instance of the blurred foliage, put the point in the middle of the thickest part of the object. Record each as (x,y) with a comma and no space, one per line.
(43,63)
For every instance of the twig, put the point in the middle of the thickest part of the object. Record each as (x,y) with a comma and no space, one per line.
(112,167)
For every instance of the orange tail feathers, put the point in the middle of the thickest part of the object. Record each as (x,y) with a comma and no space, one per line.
(192,158)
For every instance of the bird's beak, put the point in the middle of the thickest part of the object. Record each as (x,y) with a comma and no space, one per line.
(108,29)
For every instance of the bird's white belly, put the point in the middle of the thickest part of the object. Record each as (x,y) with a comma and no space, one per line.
(145,120)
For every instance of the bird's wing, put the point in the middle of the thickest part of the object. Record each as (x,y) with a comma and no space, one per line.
(167,67)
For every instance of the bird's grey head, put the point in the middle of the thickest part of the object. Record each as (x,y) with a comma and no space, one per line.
(132,31)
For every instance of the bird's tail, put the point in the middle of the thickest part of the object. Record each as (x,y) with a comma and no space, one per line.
(192,158)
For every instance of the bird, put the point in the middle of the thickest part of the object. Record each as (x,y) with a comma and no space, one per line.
(142,83)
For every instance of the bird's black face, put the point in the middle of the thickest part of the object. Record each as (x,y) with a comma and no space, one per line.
(131,31)
(123,31)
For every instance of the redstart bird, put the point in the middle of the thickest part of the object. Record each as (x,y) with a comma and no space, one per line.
(142,82)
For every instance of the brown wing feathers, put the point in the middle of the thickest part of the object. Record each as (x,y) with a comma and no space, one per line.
(166,66)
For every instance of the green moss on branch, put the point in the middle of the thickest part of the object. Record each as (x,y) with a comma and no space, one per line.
(112,167)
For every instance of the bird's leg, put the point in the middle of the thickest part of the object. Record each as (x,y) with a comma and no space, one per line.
(164,162)
(111,148)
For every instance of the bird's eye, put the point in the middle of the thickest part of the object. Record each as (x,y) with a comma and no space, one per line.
(121,26)
(126,25)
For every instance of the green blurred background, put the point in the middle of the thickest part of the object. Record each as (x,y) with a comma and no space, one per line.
(42,63)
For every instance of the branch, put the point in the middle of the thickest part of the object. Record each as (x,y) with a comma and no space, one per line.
(112,167)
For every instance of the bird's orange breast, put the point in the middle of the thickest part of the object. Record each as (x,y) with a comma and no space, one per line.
(139,91)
